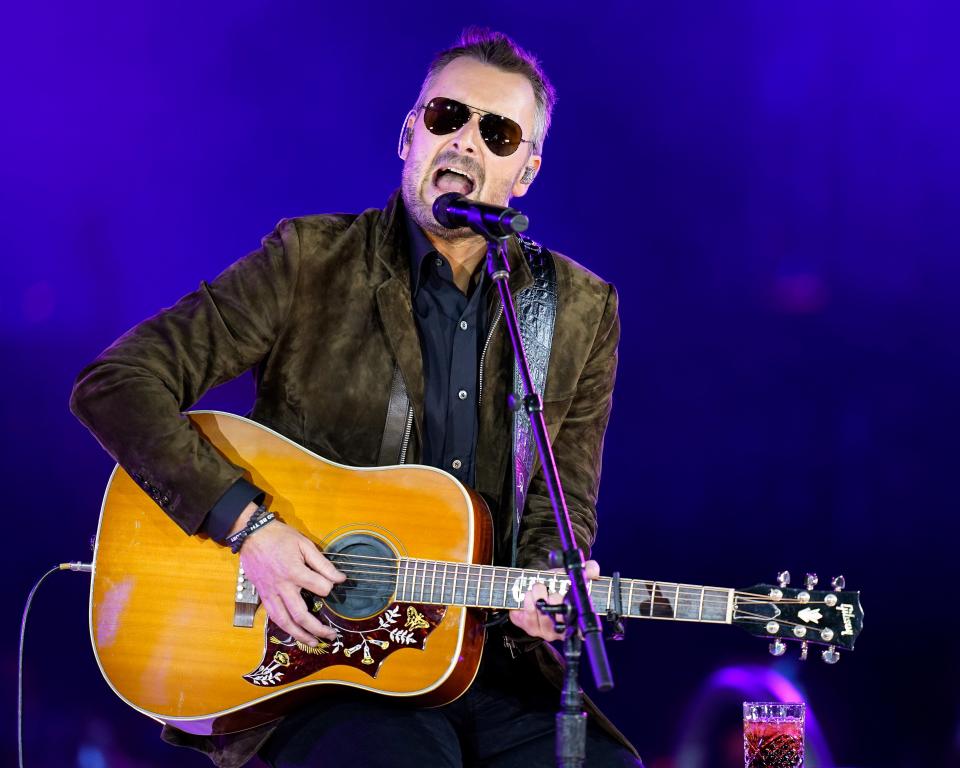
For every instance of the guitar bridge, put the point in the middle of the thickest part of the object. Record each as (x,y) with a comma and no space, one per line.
(245,601)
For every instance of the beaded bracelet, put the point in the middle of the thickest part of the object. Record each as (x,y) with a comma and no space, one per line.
(257,520)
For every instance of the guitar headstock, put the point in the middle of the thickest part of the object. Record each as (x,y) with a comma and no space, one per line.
(833,618)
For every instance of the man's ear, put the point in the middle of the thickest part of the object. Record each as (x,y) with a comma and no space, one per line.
(406,134)
(530,171)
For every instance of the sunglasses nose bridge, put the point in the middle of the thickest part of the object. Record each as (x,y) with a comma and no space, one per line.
(470,128)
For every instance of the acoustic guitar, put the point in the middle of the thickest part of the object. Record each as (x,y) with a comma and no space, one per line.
(177,634)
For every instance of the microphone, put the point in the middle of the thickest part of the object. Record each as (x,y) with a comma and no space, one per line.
(453,211)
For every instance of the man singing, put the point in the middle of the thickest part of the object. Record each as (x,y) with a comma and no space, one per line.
(336,315)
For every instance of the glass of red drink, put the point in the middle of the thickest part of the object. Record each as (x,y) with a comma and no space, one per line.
(772,735)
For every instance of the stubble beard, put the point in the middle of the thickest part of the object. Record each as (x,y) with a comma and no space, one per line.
(413,184)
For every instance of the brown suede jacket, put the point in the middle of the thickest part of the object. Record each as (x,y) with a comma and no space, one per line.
(322,313)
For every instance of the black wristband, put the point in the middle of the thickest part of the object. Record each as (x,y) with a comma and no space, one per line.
(258,519)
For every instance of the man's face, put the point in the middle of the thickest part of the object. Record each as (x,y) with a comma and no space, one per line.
(491,178)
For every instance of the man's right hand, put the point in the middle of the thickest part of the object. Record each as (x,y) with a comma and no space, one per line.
(280,561)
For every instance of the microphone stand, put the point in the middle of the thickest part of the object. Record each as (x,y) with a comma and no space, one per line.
(576,618)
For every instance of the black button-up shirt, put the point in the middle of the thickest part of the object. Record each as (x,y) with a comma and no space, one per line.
(452,327)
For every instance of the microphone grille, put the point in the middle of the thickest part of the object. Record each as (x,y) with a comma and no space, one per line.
(441,209)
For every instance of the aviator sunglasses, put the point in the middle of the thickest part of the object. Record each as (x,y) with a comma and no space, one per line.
(501,134)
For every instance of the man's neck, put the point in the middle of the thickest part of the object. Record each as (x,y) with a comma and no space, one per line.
(464,255)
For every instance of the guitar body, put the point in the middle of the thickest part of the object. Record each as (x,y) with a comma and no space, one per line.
(164,606)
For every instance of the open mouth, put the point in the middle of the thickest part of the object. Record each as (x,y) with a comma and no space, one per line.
(448,179)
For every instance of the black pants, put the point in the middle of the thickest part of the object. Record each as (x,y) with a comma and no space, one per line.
(505,720)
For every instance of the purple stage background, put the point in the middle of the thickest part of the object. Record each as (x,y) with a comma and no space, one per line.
(772,188)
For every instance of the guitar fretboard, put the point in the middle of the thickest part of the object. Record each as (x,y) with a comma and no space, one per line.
(486,586)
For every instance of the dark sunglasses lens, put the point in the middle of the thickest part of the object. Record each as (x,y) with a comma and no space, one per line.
(501,135)
(443,116)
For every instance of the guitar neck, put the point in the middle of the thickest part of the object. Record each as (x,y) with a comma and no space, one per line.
(486,586)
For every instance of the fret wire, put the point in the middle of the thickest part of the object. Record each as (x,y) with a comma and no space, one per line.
(630,598)
(479,574)
(700,614)
(676,604)
(466,584)
(653,597)
(433,583)
(406,565)
(443,584)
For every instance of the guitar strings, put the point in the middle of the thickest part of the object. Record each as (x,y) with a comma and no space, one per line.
(426,592)
(394,562)
(709,601)
(421,577)
(391,566)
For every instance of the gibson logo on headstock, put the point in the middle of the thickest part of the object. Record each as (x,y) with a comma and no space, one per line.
(846,611)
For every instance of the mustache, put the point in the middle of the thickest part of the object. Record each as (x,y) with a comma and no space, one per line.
(452,159)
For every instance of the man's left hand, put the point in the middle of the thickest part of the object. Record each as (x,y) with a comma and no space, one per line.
(534,623)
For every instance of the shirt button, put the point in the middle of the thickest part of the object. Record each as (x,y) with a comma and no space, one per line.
(439,262)
(463,325)
(462,394)
(456,463)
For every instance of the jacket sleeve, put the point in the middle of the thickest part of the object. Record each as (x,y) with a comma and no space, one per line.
(132,396)
(578,450)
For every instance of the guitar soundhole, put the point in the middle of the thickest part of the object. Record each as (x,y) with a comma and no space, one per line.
(371,569)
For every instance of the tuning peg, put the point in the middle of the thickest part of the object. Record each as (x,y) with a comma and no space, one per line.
(783,578)
(778,647)
(838,583)
(831,655)
(810,581)
(804,648)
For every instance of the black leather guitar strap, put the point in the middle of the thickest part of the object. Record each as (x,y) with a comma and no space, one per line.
(537,313)
(396,423)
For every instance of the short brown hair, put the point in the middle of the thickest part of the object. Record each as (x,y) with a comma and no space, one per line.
(500,51)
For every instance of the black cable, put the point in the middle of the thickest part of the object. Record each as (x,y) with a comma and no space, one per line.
(81,567)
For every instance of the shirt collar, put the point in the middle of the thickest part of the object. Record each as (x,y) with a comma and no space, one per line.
(421,248)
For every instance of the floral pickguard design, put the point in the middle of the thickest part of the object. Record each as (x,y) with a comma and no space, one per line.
(363,643)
